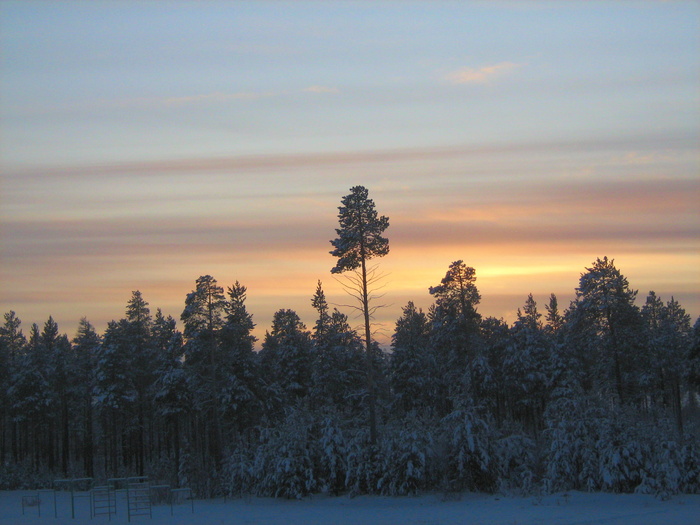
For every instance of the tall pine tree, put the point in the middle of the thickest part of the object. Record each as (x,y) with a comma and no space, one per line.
(359,240)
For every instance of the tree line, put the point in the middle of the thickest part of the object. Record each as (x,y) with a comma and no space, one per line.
(601,395)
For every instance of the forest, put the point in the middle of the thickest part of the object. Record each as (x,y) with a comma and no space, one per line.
(602,395)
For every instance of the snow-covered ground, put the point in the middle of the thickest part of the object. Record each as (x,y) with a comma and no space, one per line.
(571,508)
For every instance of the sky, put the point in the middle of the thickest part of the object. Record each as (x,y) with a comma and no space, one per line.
(144,144)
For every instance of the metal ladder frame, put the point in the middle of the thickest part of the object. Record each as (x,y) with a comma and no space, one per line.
(138,497)
(103,502)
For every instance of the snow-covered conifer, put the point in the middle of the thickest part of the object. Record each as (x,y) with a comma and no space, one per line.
(604,329)
(86,345)
(528,368)
(286,355)
(338,372)
(333,456)
(455,329)
(241,393)
(12,345)
(413,370)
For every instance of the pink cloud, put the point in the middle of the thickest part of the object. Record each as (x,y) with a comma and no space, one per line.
(215,97)
(322,89)
(481,75)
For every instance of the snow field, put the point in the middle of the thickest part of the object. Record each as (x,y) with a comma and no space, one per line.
(573,508)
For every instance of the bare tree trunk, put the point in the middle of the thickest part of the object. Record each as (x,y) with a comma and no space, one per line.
(88,450)
(371,396)
(65,438)
(677,406)
(176,443)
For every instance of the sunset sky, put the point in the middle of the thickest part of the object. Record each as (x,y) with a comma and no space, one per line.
(144,144)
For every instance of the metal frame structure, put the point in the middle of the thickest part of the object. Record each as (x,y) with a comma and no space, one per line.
(174,493)
(75,484)
(103,502)
(138,497)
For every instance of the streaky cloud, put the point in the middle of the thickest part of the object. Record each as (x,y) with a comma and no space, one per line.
(97,106)
(321,89)
(671,140)
(215,97)
(482,75)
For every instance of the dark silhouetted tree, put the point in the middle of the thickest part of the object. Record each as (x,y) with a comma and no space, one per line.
(669,339)
(242,392)
(359,240)
(12,346)
(606,328)
(338,360)
(203,317)
(528,366)
(554,317)
(86,346)
(455,330)
(286,356)
(413,371)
